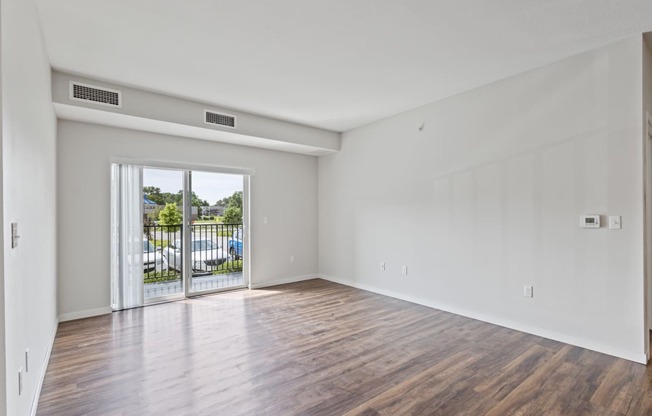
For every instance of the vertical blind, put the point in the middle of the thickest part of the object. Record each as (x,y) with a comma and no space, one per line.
(126,236)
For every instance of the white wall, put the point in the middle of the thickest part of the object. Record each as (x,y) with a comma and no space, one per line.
(284,188)
(488,197)
(29,171)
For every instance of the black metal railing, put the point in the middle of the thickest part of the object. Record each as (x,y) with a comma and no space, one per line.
(216,249)
(160,239)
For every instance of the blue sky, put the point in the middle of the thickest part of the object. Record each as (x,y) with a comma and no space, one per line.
(207,185)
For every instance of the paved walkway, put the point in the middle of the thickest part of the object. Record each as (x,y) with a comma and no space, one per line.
(199,283)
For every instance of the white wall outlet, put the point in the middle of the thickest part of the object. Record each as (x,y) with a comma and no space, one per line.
(27,360)
(528,291)
(615,222)
(383,266)
(20,381)
(265,220)
(404,270)
(292,259)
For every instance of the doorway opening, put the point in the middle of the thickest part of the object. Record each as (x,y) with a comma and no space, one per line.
(176,233)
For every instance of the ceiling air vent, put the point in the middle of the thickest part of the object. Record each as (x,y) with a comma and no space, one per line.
(95,94)
(220,119)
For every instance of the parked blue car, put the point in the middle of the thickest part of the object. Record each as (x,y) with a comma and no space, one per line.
(235,245)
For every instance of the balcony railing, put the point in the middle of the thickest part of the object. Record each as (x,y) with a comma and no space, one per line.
(215,249)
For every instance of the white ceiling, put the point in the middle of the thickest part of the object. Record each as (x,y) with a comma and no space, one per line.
(335,64)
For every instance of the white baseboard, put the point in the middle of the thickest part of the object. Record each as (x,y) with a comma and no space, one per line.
(70,316)
(44,368)
(285,280)
(556,336)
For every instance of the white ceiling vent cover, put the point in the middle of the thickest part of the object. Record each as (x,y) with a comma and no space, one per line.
(219,119)
(96,95)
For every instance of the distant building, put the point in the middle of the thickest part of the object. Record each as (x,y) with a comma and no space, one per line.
(149,207)
(214,211)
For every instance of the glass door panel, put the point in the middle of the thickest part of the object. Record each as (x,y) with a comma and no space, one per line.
(216,232)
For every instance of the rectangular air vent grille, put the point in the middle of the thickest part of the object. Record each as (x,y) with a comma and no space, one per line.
(219,119)
(98,95)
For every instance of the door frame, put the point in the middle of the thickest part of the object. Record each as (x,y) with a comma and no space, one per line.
(184,168)
(647,202)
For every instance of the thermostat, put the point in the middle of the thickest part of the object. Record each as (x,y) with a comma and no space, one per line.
(590,221)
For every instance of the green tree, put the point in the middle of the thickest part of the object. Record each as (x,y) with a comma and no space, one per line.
(233,211)
(151,190)
(236,200)
(170,215)
(233,200)
(196,201)
(168,198)
(163,198)
(223,202)
(153,193)
(232,215)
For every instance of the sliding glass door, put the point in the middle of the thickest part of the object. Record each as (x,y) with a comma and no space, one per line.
(216,233)
(175,233)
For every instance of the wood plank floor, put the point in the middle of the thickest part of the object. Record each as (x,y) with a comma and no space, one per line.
(319,348)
